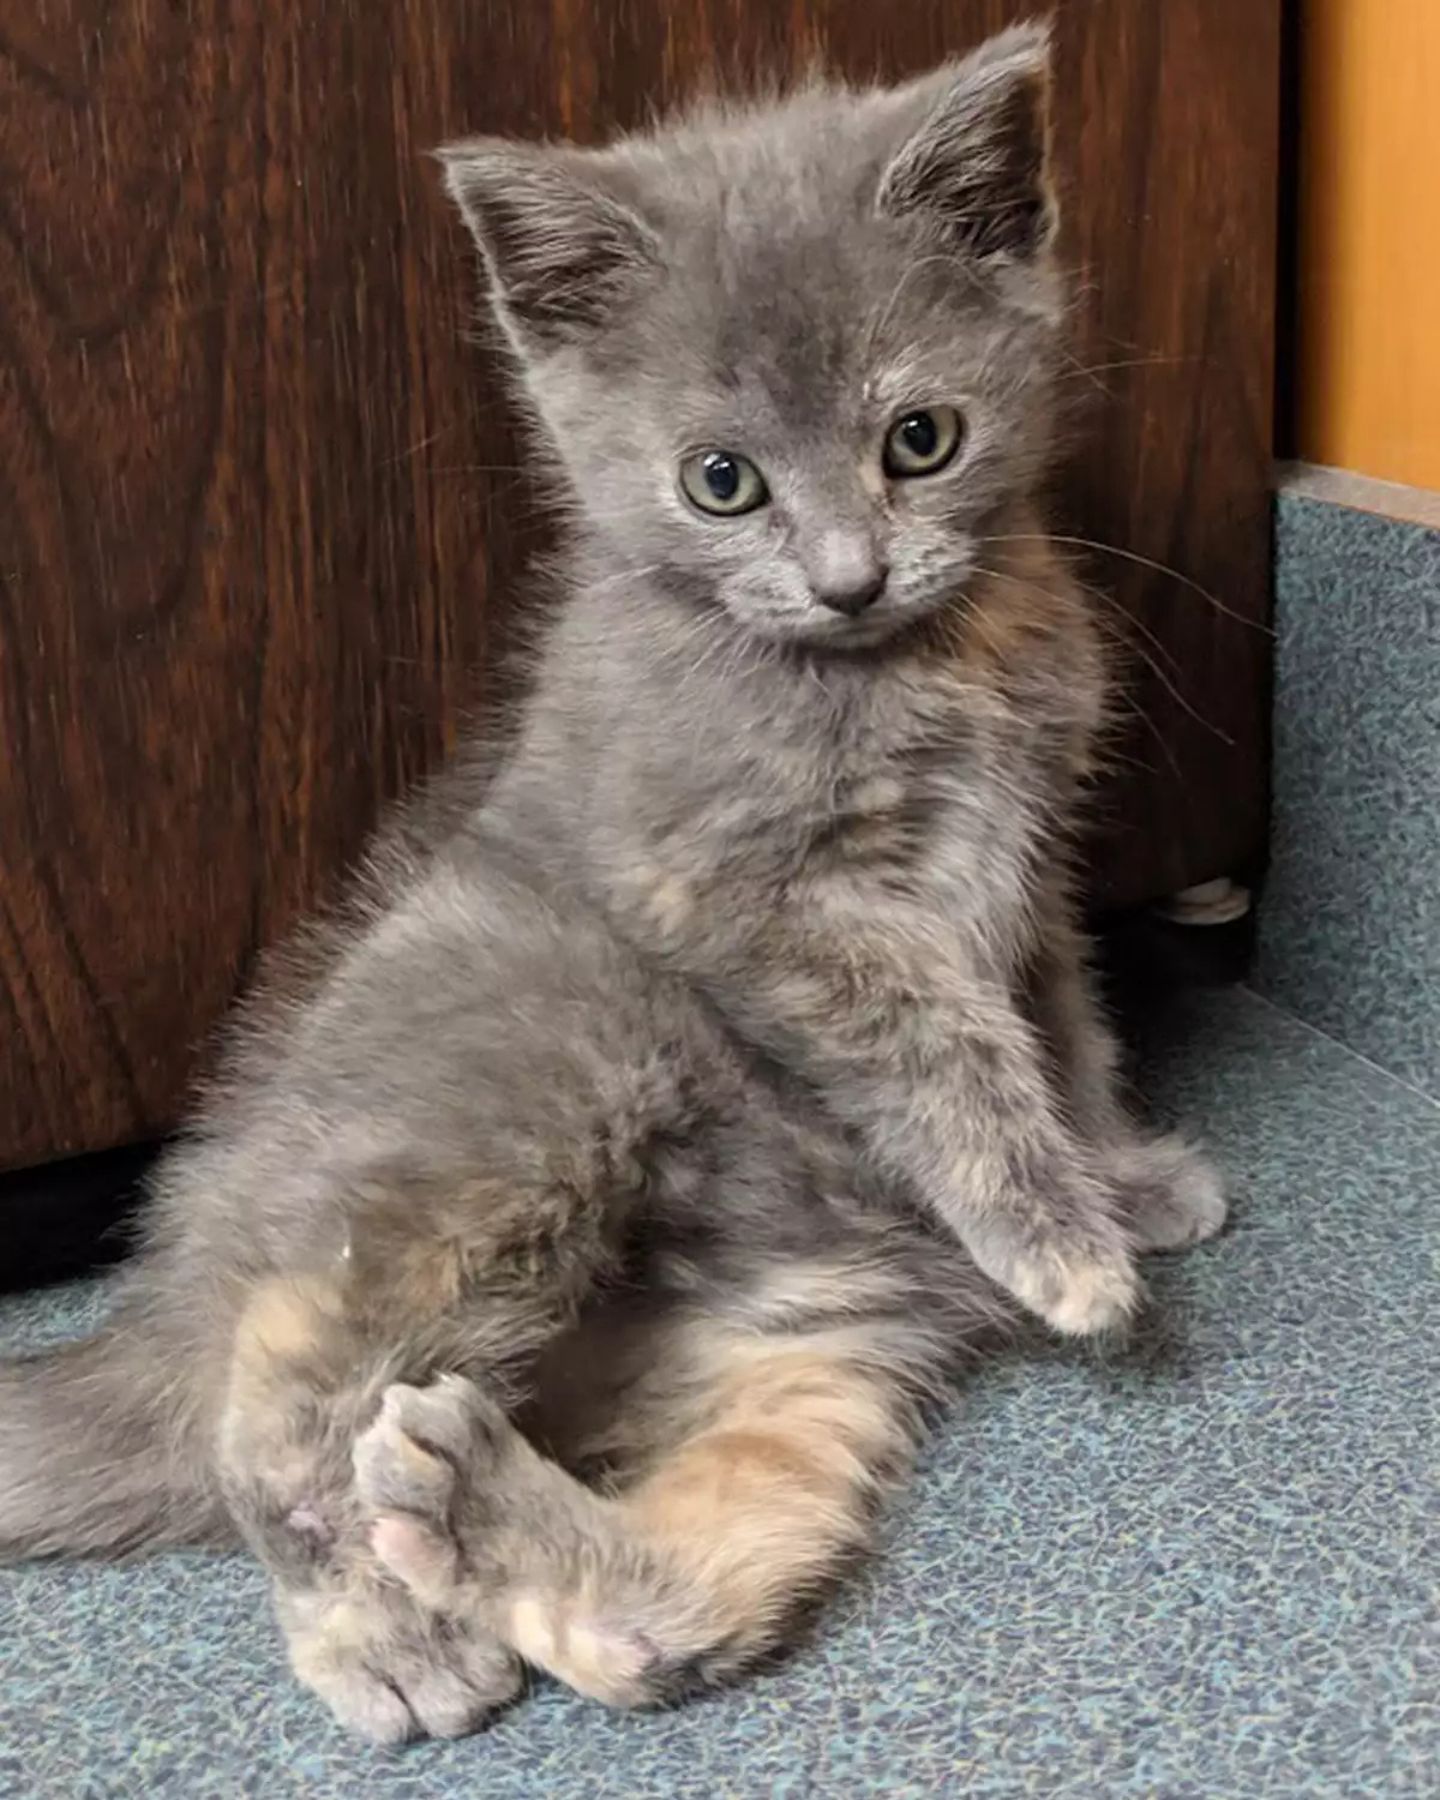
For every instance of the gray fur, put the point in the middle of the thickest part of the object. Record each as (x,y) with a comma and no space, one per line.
(741,1016)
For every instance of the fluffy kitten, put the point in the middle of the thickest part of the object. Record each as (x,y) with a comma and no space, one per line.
(561,1268)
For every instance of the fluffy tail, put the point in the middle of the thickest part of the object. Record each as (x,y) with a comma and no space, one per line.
(95,1451)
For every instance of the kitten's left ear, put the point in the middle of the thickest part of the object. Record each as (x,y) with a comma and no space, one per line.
(977,164)
(563,248)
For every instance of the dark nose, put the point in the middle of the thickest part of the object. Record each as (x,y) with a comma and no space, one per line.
(852,597)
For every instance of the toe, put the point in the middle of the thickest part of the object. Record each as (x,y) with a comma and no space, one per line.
(329,1658)
(1079,1296)
(367,1705)
(392,1672)
(1171,1195)
(450,1417)
(397,1471)
(1094,1297)
(448,1704)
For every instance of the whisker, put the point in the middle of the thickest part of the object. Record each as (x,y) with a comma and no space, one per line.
(1136,711)
(1134,362)
(1077,368)
(475,468)
(1130,556)
(1178,697)
(1155,668)
(1130,619)
(414,449)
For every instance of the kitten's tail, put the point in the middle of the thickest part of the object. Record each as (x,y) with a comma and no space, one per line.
(93,1451)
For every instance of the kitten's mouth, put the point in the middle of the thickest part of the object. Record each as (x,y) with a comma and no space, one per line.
(818,629)
(858,633)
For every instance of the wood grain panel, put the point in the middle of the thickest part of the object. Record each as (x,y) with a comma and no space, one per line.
(262,515)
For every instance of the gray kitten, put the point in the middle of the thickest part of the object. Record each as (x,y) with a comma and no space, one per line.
(562,1267)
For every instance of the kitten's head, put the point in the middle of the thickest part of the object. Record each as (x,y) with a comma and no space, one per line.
(794,359)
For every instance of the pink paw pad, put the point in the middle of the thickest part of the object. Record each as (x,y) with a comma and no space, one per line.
(411,1550)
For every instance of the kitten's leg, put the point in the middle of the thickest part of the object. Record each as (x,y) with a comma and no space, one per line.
(921,1048)
(1169,1193)
(946,1081)
(311,1357)
(303,1380)
(527,1087)
(1061,998)
(683,1578)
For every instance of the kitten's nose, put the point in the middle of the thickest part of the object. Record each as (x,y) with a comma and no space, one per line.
(846,568)
(854,596)
(847,578)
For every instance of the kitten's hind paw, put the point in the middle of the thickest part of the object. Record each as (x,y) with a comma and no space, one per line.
(388,1670)
(477,1524)
(427,1449)
(397,1661)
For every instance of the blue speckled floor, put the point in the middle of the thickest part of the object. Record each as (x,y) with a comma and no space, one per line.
(1350,928)
(1202,1567)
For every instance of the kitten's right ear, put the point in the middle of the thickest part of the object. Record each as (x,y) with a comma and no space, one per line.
(564,254)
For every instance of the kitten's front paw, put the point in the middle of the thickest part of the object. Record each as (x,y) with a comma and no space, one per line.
(1170,1196)
(1059,1245)
(1078,1295)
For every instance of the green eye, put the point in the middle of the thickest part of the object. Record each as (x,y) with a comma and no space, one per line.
(921,442)
(723,482)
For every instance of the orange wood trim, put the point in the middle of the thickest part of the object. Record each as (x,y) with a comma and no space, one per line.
(1369,251)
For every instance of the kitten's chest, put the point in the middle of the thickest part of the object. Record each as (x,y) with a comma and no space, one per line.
(919,810)
(941,796)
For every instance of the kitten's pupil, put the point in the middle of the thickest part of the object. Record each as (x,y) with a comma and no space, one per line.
(722,476)
(919,434)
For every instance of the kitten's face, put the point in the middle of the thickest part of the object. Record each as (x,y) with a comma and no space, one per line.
(819,436)
(797,364)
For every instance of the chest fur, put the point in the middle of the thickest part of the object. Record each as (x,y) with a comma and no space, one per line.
(941,813)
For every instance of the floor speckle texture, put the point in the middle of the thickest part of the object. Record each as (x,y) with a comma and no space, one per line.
(1350,926)
(1201,1566)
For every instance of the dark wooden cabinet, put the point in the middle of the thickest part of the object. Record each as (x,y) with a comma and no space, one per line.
(264,514)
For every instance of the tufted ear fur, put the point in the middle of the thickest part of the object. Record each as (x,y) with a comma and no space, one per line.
(975,163)
(563,250)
